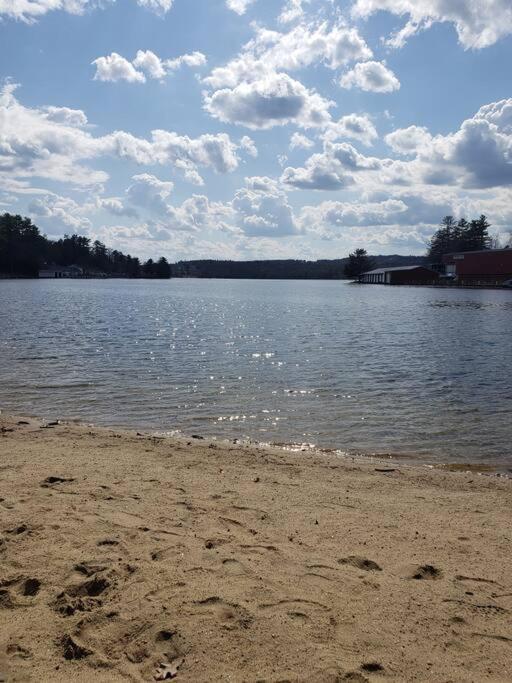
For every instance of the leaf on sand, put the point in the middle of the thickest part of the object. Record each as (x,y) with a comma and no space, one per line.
(166,672)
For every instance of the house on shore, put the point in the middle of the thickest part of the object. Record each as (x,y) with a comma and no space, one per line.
(51,271)
(404,275)
(491,267)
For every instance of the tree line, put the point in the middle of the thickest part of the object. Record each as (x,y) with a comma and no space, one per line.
(24,250)
(451,237)
(462,235)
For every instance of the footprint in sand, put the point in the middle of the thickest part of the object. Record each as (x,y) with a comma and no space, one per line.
(107,637)
(82,597)
(15,650)
(30,587)
(361,563)
(230,615)
(426,572)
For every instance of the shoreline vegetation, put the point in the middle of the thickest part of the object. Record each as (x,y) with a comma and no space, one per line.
(138,557)
(24,251)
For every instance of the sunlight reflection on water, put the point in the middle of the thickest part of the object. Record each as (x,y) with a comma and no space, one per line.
(404,370)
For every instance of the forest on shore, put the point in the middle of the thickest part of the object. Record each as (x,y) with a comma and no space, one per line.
(24,250)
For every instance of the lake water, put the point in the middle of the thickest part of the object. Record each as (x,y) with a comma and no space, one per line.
(407,370)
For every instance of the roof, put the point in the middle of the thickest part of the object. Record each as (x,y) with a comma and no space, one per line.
(505,250)
(380,271)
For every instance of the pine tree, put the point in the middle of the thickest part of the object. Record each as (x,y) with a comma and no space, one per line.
(358,262)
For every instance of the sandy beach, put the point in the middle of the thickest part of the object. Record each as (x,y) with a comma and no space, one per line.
(125,557)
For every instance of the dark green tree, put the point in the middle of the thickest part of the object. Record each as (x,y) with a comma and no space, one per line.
(358,262)
(23,250)
(22,247)
(162,269)
(478,237)
(455,236)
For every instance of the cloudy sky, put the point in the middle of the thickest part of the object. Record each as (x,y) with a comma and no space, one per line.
(255,128)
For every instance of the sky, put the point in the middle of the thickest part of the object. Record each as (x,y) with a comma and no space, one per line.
(248,129)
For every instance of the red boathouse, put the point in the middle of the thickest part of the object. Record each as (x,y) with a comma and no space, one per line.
(479,268)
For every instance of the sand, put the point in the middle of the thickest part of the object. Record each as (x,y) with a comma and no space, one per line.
(125,557)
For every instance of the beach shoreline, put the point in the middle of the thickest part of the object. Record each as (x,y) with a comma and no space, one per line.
(129,556)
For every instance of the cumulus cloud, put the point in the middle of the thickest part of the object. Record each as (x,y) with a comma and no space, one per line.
(331,170)
(157,6)
(116,207)
(239,6)
(272,101)
(292,10)
(499,114)
(52,143)
(354,126)
(63,211)
(299,141)
(150,192)
(304,45)
(262,209)
(146,64)
(67,116)
(114,68)
(247,144)
(478,24)
(338,215)
(149,63)
(31,10)
(371,77)
(409,140)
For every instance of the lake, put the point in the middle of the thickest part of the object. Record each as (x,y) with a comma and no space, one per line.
(421,372)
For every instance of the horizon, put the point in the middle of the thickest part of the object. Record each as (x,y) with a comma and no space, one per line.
(250,130)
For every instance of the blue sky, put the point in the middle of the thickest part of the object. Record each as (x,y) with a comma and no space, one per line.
(256,128)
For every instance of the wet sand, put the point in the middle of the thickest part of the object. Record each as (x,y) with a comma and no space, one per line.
(125,557)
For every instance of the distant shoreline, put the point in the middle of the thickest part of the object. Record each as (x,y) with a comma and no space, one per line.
(269,279)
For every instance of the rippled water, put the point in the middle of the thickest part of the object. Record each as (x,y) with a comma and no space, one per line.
(376,369)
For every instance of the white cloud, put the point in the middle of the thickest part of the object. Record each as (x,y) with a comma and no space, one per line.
(63,211)
(114,68)
(299,141)
(157,6)
(479,23)
(262,210)
(247,144)
(409,140)
(371,77)
(31,10)
(499,114)
(271,51)
(292,11)
(146,64)
(67,116)
(192,59)
(329,216)
(354,126)
(272,101)
(43,143)
(239,6)
(150,192)
(116,207)
(331,170)
(150,64)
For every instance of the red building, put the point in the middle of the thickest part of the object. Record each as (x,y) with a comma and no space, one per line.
(490,267)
